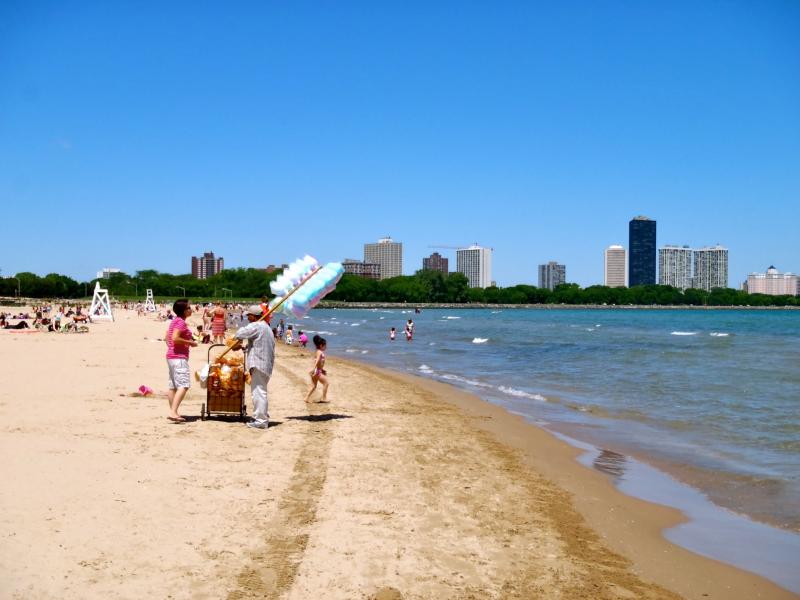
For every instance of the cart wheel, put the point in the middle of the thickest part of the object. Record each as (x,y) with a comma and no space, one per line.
(203,412)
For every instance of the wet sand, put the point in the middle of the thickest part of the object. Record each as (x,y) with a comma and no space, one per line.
(399,488)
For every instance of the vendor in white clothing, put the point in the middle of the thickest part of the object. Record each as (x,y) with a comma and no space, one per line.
(259,358)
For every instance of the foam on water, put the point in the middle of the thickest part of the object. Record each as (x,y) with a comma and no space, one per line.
(480,340)
(684,333)
(510,391)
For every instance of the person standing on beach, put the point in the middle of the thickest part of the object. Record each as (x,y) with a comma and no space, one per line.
(178,339)
(265,308)
(259,360)
(218,324)
(318,373)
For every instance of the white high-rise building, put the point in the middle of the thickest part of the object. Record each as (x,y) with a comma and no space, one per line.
(773,283)
(388,254)
(615,267)
(675,266)
(475,263)
(710,268)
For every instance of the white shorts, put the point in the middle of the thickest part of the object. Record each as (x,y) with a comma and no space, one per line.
(179,376)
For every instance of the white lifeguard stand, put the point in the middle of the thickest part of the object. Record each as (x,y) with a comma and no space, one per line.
(149,305)
(101,307)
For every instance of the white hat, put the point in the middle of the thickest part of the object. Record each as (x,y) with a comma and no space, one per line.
(255,310)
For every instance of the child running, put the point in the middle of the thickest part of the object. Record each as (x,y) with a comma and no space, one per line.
(318,373)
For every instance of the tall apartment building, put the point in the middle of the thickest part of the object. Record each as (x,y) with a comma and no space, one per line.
(362,269)
(675,266)
(388,254)
(551,275)
(207,265)
(773,283)
(436,262)
(642,257)
(615,267)
(475,263)
(710,268)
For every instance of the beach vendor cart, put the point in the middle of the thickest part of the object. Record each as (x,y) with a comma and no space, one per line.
(225,385)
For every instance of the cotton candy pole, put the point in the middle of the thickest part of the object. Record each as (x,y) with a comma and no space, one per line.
(301,286)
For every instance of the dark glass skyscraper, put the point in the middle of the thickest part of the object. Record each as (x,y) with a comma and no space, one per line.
(642,258)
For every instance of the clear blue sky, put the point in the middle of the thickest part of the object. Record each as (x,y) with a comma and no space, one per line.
(135,135)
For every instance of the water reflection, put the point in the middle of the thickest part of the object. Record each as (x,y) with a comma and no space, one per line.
(610,462)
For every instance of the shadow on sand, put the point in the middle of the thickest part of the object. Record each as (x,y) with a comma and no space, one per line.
(318,418)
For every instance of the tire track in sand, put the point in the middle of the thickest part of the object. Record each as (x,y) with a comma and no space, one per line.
(271,570)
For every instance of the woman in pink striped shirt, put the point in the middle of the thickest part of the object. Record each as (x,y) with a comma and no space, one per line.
(179,338)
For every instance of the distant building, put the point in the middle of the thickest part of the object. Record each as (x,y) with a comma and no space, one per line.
(615,267)
(362,269)
(388,254)
(273,268)
(475,263)
(551,275)
(675,266)
(107,272)
(710,268)
(435,262)
(773,283)
(642,257)
(207,265)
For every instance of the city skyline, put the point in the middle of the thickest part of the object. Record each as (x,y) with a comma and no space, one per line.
(541,140)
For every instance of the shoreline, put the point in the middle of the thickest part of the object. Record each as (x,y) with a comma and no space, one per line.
(401,484)
(629,524)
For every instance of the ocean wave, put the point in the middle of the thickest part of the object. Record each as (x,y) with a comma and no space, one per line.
(684,333)
(452,377)
(355,324)
(718,334)
(521,394)
(351,350)
(451,318)
(425,369)
(480,340)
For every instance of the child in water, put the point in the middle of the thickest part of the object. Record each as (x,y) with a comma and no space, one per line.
(303,339)
(318,373)
(409,330)
(392,333)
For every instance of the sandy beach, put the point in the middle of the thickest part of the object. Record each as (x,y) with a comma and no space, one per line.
(398,488)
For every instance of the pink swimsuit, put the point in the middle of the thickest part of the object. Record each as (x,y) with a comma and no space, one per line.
(320,370)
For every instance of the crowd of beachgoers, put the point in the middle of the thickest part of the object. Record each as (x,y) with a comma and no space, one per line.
(75,318)
(49,318)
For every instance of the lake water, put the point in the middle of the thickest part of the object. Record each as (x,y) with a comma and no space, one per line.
(709,397)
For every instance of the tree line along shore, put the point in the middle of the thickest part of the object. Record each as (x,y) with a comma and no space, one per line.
(424,288)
